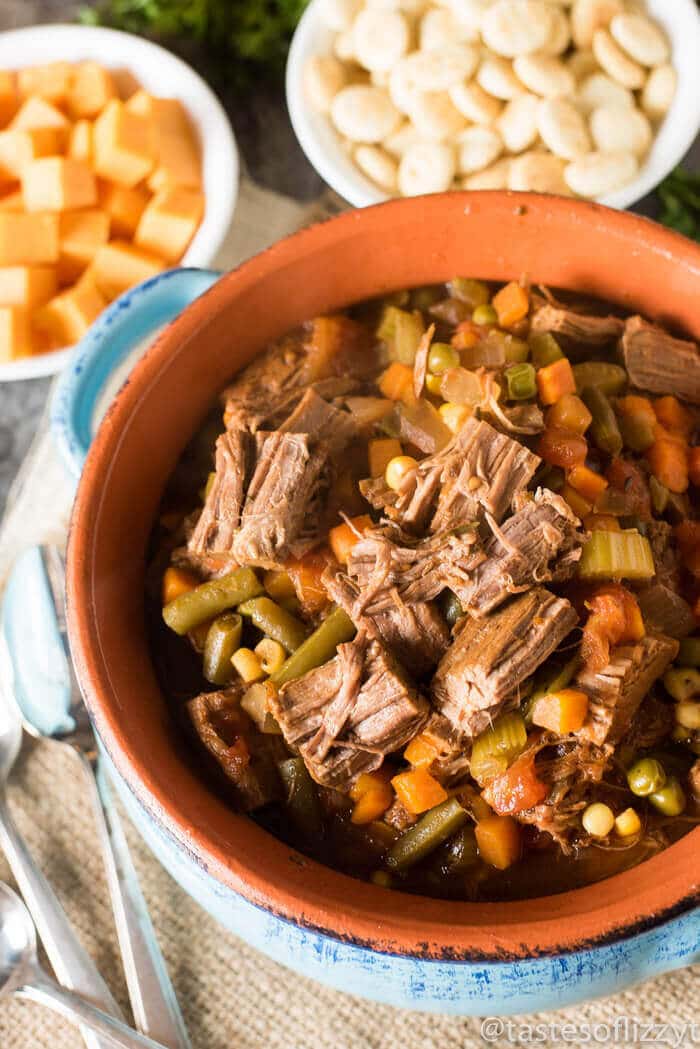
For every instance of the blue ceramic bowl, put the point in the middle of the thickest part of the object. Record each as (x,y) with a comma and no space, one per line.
(499,974)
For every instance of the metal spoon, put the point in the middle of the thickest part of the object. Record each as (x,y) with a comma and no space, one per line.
(22,976)
(51,704)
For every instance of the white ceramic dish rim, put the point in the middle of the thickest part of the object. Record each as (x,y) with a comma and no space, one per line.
(164,74)
(676,135)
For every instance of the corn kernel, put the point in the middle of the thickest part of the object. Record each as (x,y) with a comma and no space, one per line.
(433,384)
(271,655)
(688,714)
(598,820)
(246,662)
(628,823)
(454,416)
(398,469)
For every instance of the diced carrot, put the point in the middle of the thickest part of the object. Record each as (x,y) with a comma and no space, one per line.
(561,712)
(589,483)
(344,536)
(380,452)
(420,751)
(562,448)
(466,336)
(601,523)
(674,416)
(694,466)
(516,789)
(372,805)
(305,573)
(569,413)
(177,581)
(555,380)
(511,304)
(668,461)
(367,781)
(615,618)
(418,791)
(396,383)
(336,343)
(499,840)
(279,585)
(576,501)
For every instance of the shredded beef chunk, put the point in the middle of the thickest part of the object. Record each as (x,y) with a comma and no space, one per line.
(451,761)
(221,513)
(616,692)
(571,326)
(480,674)
(542,541)
(666,611)
(415,633)
(652,723)
(246,756)
(659,363)
(328,425)
(346,715)
(667,562)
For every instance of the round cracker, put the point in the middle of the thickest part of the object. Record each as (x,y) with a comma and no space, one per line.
(378,166)
(544,75)
(436,117)
(562,128)
(517,123)
(516,27)
(589,15)
(496,76)
(380,39)
(364,113)
(538,173)
(599,173)
(475,104)
(601,90)
(477,148)
(659,91)
(620,128)
(495,177)
(613,60)
(426,167)
(640,38)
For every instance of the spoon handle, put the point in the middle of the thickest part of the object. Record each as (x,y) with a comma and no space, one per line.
(70,961)
(110,1031)
(153,1000)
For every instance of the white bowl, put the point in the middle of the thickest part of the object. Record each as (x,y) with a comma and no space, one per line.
(676,135)
(160,73)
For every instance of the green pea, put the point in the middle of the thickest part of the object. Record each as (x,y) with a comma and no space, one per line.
(670,799)
(485,314)
(442,356)
(646,777)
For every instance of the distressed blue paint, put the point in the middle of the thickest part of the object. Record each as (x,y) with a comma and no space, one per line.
(462,988)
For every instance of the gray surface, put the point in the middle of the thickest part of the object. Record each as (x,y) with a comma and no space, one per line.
(272,157)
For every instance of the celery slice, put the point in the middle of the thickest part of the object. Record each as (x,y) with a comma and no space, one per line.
(496,748)
(402,332)
(617,555)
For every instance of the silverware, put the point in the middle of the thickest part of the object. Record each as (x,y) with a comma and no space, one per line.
(153,1000)
(22,976)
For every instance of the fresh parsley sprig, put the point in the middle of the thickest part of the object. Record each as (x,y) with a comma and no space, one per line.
(679,196)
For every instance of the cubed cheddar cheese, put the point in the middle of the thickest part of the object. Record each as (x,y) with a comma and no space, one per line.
(80,141)
(9,99)
(91,89)
(28,239)
(15,333)
(119,265)
(28,286)
(51,82)
(20,148)
(177,162)
(12,201)
(80,234)
(124,206)
(66,317)
(122,145)
(164,114)
(37,112)
(58,184)
(169,222)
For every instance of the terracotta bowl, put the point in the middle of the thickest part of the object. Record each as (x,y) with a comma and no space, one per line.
(408,950)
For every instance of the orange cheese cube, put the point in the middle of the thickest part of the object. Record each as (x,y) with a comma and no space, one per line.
(9,99)
(80,234)
(18,149)
(125,82)
(80,141)
(118,266)
(122,145)
(15,333)
(13,201)
(27,285)
(28,239)
(66,317)
(177,162)
(164,114)
(58,184)
(124,206)
(92,88)
(169,222)
(51,82)
(37,112)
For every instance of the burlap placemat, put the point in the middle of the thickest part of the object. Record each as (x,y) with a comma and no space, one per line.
(232,996)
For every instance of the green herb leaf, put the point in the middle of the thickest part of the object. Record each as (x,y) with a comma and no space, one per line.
(679,196)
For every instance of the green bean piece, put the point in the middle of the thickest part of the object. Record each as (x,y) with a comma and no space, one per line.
(301,798)
(616,555)
(544,349)
(431,831)
(497,747)
(402,332)
(689,652)
(682,683)
(645,777)
(610,379)
(451,607)
(223,639)
(275,622)
(637,431)
(318,648)
(659,495)
(485,314)
(553,477)
(473,292)
(461,852)
(521,383)
(670,800)
(604,429)
(441,357)
(210,599)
